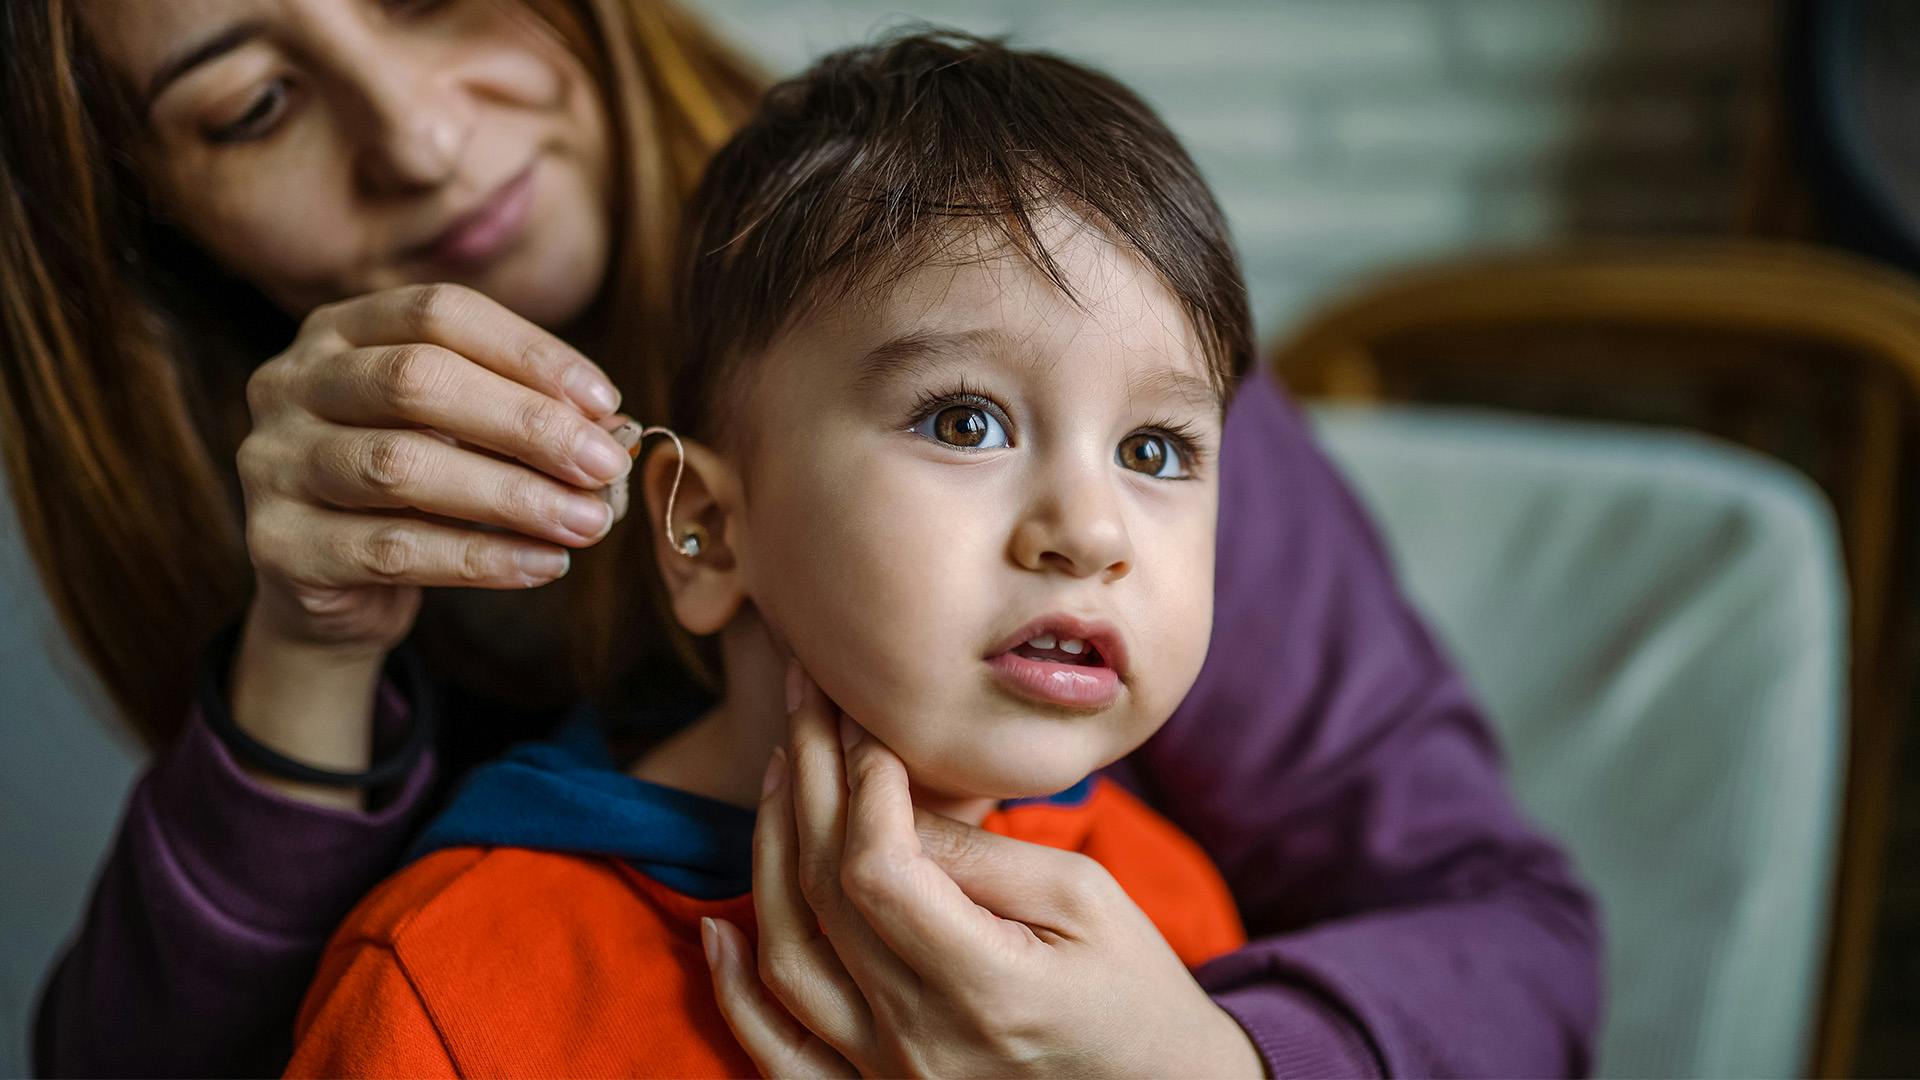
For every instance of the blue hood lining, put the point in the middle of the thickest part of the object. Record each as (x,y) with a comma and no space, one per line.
(567,794)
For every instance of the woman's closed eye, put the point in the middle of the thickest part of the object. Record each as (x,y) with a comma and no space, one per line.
(261,115)
(412,7)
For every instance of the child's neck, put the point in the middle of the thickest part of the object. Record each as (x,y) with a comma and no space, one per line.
(723,755)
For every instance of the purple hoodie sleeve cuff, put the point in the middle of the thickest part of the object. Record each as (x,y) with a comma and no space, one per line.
(251,853)
(1298,1034)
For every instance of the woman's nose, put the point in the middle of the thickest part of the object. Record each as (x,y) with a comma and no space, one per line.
(1076,526)
(418,126)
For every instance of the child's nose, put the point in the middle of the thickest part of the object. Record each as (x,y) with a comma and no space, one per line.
(1075,526)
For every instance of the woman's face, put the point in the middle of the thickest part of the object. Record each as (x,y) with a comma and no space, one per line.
(327,148)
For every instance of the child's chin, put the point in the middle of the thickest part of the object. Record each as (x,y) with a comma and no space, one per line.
(1026,779)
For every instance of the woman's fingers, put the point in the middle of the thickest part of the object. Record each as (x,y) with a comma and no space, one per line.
(819,781)
(402,469)
(908,899)
(796,963)
(328,549)
(778,1044)
(410,385)
(413,369)
(1046,888)
(481,329)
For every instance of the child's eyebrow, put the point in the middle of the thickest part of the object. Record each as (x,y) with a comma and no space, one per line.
(1183,386)
(919,352)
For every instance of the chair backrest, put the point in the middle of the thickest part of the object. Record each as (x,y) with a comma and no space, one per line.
(1804,354)
(1656,623)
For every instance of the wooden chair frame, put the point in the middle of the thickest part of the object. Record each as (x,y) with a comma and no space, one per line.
(1804,353)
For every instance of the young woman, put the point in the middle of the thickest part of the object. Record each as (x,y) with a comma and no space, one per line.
(232,398)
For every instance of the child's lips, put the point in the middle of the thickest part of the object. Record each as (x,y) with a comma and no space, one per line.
(1072,635)
(1062,660)
(1073,686)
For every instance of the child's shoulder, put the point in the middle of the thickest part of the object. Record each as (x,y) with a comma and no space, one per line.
(503,961)
(467,893)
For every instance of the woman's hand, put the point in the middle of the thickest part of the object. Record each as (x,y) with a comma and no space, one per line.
(391,425)
(894,942)
(394,428)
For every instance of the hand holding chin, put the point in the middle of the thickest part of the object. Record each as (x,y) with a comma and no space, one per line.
(895,941)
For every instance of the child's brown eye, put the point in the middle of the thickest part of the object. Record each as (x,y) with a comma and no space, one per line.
(962,426)
(1153,455)
(968,427)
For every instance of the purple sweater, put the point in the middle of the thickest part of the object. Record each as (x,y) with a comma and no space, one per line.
(1406,920)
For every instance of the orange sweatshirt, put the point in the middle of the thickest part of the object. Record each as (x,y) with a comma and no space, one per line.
(571,954)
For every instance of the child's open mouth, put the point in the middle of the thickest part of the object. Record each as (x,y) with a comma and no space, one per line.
(1062,661)
(1076,651)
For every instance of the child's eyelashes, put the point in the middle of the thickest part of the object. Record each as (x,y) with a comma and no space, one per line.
(970,421)
(963,420)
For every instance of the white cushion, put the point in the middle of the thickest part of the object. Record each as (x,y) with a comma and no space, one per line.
(1656,622)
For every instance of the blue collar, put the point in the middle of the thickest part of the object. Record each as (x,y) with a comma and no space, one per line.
(567,794)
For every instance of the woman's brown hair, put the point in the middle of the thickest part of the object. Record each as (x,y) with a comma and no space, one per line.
(126,353)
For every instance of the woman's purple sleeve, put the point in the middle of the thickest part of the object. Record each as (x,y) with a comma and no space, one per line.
(1406,919)
(209,917)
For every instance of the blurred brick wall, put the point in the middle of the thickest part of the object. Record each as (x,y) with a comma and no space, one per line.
(1348,135)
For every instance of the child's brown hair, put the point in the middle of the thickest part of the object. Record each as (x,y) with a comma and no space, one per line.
(885,157)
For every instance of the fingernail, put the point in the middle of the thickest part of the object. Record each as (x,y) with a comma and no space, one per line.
(710,940)
(849,732)
(586,516)
(600,458)
(591,392)
(776,771)
(796,685)
(543,564)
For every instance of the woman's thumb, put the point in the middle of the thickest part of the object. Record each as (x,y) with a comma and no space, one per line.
(1030,883)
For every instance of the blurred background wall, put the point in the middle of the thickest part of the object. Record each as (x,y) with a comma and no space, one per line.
(1344,136)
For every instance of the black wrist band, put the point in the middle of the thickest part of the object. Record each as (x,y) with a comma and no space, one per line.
(401,666)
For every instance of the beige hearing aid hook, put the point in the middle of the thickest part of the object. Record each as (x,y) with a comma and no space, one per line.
(689,545)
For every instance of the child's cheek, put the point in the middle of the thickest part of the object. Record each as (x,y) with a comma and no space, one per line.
(1178,577)
(856,573)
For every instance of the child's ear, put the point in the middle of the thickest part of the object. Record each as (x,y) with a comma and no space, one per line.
(706,588)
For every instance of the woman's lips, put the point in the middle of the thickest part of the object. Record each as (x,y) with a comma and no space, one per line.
(1072,686)
(482,233)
